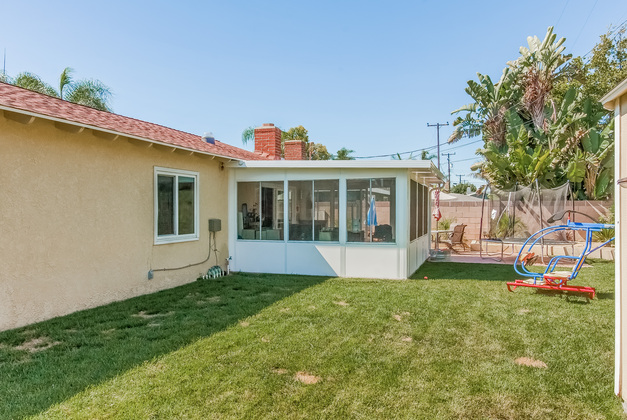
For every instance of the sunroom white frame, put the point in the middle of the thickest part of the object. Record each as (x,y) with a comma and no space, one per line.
(393,260)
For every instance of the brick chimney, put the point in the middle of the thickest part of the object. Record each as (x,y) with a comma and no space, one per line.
(295,150)
(268,141)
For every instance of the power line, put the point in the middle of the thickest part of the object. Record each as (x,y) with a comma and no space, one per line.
(462,145)
(424,149)
(562,14)
(584,24)
(393,154)
(616,32)
(464,160)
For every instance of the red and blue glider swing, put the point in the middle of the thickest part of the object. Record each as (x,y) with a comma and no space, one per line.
(551,279)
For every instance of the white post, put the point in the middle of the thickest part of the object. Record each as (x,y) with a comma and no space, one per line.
(618,348)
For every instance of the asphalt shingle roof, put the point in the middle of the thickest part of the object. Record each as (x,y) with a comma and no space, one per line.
(17,99)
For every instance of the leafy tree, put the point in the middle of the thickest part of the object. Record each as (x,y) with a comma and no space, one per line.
(92,93)
(463,187)
(296,133)
(318,151)
(605,69)
(535,131)
(315,151)
(344,154)
(425,155)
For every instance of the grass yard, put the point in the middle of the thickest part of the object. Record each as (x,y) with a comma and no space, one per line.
(266,346)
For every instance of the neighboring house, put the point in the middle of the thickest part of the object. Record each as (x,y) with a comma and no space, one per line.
(616,101)
(93,207)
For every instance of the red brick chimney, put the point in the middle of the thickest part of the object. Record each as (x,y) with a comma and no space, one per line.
(295,150)
(268,141)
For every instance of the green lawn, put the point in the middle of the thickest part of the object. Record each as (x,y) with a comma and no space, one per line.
(266,346)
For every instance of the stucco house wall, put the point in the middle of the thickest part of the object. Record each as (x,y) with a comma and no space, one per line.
(78,207)
(77,219)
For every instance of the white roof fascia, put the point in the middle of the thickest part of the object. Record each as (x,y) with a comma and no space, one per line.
(119,133)
(425,168)
(608,100)
(335,164)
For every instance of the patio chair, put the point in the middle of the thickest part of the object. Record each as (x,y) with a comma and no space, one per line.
(383,233)
(456,238)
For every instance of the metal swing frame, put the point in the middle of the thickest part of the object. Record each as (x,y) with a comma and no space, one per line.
(551,279)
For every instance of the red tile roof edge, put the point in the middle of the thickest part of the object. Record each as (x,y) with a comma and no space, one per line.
(18,99)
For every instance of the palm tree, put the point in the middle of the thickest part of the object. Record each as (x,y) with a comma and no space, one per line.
(89,92)
(248,135)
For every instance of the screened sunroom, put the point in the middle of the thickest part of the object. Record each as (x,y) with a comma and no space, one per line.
(331,218)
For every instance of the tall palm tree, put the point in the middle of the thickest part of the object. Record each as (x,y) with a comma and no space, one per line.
(88,92)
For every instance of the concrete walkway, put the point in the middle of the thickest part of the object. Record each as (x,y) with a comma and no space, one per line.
(473,257)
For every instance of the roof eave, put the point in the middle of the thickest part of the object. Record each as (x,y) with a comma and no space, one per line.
(119,133)
(618,91)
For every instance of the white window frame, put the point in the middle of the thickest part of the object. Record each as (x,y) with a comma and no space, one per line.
(173,238)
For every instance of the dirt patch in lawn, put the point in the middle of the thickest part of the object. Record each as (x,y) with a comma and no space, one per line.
(407,339)
(244,323)
(284,310)
(341,303)
(524,311)
(307,378)
(279,371)
(399,317)
(146,315)
(37,344)
(528,361)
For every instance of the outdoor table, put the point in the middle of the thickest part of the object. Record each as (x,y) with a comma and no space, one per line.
(437,237)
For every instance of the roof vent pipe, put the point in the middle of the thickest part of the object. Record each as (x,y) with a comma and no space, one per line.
(208,137)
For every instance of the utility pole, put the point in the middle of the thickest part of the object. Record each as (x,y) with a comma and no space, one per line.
(437,126)
(448,158)
(460,178)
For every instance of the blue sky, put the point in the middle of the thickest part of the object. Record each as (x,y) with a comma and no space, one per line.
(359,74)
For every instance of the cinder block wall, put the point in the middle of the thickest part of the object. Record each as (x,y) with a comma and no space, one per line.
(469,213)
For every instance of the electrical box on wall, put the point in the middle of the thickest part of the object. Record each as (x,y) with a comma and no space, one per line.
(215,225)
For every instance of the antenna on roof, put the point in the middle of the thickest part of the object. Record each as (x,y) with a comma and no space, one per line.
(4,66)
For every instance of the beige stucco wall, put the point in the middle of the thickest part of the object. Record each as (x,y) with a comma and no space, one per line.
(77,220)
